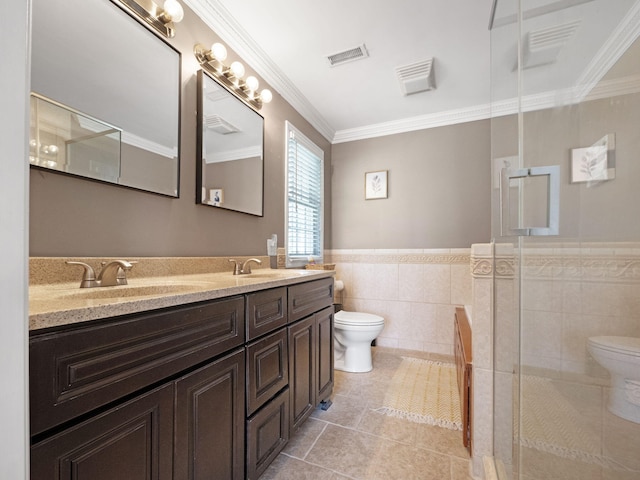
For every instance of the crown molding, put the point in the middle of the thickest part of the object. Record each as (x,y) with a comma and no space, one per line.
(218,18)
(440,119)
(618,42)
(588,87)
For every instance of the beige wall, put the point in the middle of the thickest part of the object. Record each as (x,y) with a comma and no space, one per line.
(439,189)
(235,178)
(604,211)
(75,217)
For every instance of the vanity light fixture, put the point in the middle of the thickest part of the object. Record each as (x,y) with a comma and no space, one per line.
(161,18)
(212,60)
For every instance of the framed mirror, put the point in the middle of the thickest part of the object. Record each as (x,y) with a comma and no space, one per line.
(230,171)
(104,81)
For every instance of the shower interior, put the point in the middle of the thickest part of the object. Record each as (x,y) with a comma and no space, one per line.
(565,92)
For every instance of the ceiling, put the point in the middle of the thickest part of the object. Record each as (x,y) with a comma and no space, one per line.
(286,43)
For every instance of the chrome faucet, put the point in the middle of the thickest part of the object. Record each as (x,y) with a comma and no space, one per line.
(243,268)
(121,277)
(112,273)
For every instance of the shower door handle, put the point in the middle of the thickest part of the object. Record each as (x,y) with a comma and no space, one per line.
(553,200)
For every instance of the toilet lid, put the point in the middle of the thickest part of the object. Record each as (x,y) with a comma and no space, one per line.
(357,318)
(628,345)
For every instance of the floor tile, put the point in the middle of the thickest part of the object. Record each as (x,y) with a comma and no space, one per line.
(351,441)
(300,444)
(288,468)
(345,411)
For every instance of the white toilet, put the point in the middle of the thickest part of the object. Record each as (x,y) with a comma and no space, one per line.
(621,356)
(353,334)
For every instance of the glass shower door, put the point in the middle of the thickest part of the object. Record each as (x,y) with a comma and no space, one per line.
(566,93)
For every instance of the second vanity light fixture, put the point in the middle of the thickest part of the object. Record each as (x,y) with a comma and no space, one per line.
(212,60)
(160,18)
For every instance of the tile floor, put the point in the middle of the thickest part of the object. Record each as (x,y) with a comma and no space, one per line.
(351,441)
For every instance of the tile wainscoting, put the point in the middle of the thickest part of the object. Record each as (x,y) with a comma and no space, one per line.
(416,292)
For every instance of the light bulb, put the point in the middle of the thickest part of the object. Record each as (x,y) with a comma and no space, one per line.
(252,83)
(266,95)
(174,10)
(238,69)
(219,51)
(53,149)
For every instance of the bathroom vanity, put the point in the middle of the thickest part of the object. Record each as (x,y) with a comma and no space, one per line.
(200,390)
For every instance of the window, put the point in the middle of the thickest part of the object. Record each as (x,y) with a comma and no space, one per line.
(305,199)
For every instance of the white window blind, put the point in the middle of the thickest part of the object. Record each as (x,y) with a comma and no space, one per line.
(305,199)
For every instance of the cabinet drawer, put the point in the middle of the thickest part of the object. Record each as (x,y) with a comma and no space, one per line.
(266,312)
(267,369)
(308,298)
(267,434)
(75,371)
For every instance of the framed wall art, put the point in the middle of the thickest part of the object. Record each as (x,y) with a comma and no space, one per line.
(375,185)
(595,163)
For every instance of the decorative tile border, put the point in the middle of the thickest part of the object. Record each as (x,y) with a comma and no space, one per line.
(484,265)
(607,263)
(589,266)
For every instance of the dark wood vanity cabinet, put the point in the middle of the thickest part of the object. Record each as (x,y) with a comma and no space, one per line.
(96,410)
(210,390)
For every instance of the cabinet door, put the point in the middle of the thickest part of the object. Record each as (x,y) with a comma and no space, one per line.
(324,354)
(132,441)
(267,369)
(267,434)
(302,358)
(209,435)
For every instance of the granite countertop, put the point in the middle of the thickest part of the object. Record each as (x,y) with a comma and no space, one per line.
(61,304)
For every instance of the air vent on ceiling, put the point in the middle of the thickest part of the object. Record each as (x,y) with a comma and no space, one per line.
(355,53)
(542,46)
(417,77)
(220,125)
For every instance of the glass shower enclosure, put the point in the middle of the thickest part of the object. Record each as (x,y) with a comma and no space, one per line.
(566,226)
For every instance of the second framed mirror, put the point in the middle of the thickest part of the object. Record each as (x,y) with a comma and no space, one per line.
(230,170)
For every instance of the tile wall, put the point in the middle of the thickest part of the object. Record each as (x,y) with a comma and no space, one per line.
(572,292)
(416,292)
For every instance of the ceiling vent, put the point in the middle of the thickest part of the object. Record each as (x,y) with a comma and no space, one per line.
(417,77)
(356,53)
(541,47)
(220,125)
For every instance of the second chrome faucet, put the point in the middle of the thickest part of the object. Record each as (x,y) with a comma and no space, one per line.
(240,268)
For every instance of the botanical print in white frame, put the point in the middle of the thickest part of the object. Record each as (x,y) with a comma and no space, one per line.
(595,163)
(375,185)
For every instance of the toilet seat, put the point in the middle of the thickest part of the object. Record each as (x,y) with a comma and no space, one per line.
(623,345)
(357,319)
